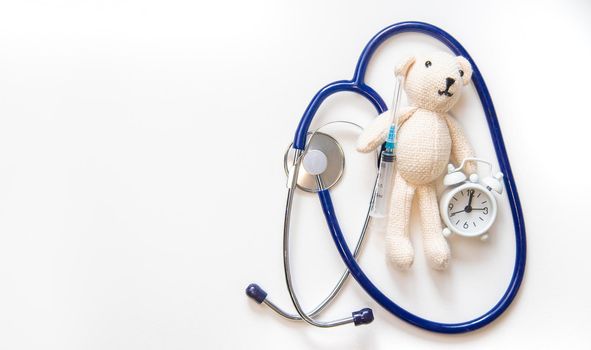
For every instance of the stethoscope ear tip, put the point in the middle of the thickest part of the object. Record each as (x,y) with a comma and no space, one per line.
(363,316)
(256,293)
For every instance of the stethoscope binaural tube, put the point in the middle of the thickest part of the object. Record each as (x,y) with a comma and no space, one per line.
(357,85)
(363,316)
(254,291)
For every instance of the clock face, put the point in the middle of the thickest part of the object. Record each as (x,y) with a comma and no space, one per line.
(471,210)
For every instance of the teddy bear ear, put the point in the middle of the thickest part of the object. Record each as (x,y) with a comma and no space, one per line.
(404,66)
(466,67)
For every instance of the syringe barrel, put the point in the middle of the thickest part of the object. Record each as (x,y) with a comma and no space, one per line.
(383,187)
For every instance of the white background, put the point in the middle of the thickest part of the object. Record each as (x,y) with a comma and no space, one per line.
(142,189)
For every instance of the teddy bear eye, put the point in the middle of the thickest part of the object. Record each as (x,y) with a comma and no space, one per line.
(428,64)
(461,73)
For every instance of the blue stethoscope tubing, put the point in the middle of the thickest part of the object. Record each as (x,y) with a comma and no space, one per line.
(357,85)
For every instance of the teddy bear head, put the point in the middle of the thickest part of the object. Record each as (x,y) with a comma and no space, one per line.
(434,81)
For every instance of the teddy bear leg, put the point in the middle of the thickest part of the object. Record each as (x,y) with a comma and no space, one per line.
(434,244)
(398,245)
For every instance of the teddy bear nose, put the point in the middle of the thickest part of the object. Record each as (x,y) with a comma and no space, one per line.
(449,81)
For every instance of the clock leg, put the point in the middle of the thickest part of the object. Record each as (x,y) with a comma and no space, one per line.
(434,244)
(398,245)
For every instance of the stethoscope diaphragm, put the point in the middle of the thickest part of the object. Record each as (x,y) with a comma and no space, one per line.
(320,146)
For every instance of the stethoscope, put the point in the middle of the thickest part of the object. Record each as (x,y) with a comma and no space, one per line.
(322,173)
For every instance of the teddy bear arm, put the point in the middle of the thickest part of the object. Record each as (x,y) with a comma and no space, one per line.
(460,146)
(377,131)
(374,134)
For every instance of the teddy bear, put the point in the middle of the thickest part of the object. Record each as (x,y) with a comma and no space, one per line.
(427,139)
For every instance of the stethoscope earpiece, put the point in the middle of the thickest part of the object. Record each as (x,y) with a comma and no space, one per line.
(256,293)
(363,316)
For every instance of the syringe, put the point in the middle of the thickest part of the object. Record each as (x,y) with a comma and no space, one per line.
(383,187)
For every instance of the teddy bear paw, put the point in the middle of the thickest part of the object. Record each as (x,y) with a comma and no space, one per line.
(400,251)
(438,253)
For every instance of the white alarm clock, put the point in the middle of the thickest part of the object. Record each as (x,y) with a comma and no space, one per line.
(468,207)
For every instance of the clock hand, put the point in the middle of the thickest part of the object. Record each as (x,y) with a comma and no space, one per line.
(471,197)
(452,214)
(478,208)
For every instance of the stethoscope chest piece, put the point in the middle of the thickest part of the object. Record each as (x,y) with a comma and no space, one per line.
(324,157)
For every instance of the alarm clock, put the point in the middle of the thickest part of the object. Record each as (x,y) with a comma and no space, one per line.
(468,205)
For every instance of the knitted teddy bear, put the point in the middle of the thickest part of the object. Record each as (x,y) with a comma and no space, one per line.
(427,137)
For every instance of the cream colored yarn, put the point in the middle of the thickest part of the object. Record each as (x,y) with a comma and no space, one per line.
(427,137)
